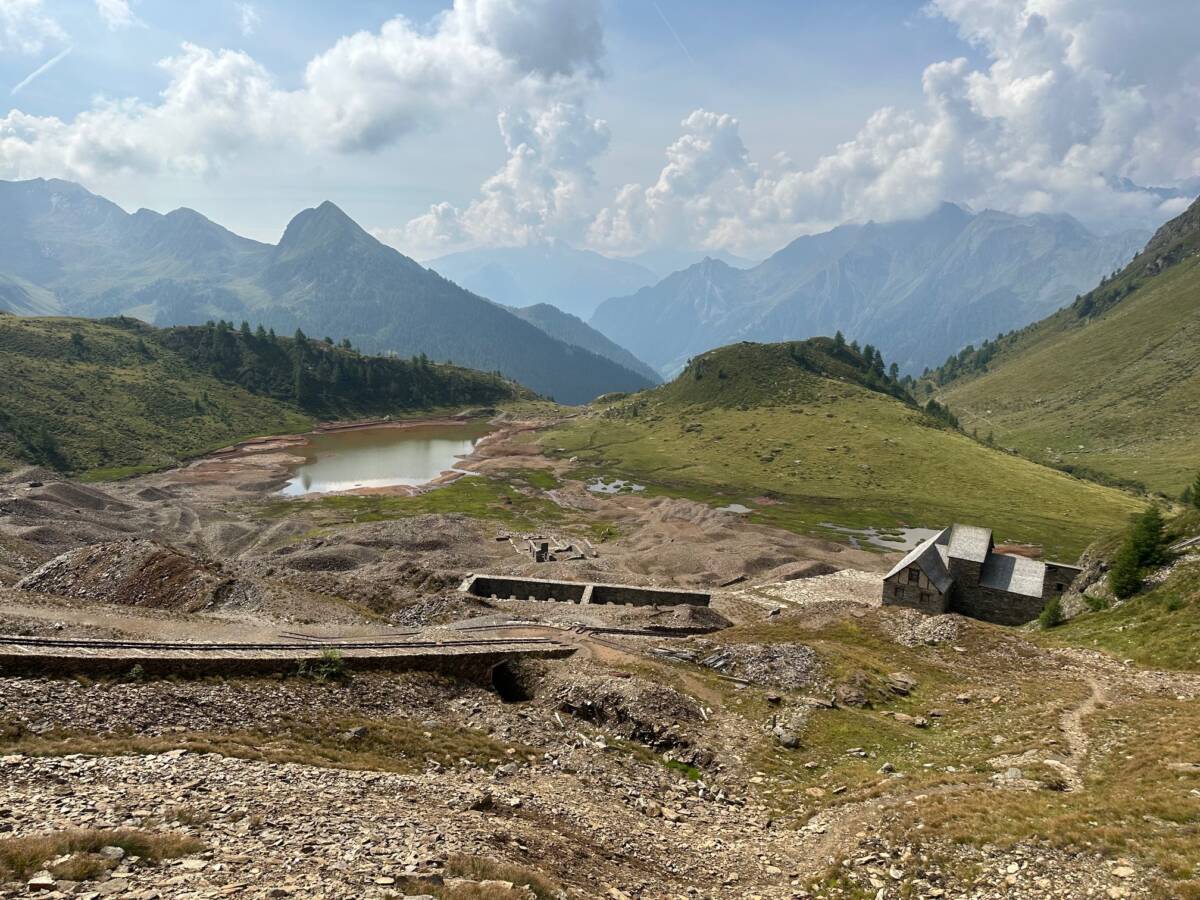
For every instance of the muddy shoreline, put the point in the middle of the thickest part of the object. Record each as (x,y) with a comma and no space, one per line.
(270,455)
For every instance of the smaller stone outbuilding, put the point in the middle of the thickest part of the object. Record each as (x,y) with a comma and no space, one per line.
(958,570)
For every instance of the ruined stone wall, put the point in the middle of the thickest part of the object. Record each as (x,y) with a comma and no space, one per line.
(928,599)
(998,607)
(1056,574)
(503,587)
(640,596)
(475,667)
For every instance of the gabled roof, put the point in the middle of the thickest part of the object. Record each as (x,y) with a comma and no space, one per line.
(1014,574)
(930,555)
(969,542)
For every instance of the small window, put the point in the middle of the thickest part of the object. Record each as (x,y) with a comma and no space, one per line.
(925,596)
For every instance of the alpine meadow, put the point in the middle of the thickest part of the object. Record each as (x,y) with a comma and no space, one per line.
(562,449)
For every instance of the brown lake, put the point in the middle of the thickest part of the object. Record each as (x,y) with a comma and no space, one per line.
(383,456)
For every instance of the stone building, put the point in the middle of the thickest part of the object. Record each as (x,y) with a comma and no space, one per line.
(958,570)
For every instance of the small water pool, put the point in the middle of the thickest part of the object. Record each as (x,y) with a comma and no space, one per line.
(887,538)
(616,486)
(381,456)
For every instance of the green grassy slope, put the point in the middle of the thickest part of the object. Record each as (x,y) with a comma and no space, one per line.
(749,423)
(1158,627)
(113,396)
(1110,384)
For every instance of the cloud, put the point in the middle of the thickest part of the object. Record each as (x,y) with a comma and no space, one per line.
(39,72)
(707,176)
(1074,94)
(26,28)
(543,189)
(369,89)
(117,14)
(248,18)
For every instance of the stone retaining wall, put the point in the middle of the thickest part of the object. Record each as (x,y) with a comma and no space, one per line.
(503,587)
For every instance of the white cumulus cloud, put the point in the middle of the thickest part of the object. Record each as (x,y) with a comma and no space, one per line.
(367,90)
(543,189)
(117,14)
(25,27)
(1075,95)
(248,18)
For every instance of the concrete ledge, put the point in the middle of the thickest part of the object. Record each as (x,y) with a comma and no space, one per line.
(101,658)
(503,587)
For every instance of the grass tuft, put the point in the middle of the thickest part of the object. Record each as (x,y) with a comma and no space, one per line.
(20,857)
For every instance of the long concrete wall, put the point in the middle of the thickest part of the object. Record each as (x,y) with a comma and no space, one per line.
(504,587)
(99,658)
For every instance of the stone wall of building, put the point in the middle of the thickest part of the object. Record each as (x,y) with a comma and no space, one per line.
(926,599)
(965,574)
(1057,574)
(998,607)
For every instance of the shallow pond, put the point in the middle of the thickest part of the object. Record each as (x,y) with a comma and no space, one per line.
(616,486)
(888,538)
(382,456)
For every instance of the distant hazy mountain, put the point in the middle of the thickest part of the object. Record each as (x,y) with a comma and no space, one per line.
(1109,384)
(664,261)
(919,290)
(65,250)
(576,281)
(573,330)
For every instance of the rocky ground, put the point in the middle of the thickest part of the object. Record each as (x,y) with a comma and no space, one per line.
(810,744)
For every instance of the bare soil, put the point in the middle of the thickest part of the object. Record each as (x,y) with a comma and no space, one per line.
(736,763)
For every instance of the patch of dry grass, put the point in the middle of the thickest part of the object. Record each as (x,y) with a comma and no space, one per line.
(392,745)
(1139,798)
(1015,706)
(486,879)
(20,857)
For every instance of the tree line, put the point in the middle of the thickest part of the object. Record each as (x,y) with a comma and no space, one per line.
(322,377)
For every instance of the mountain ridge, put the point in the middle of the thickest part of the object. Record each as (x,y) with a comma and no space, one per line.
(1106,385)
(326,275)
(919,289)
(118,395)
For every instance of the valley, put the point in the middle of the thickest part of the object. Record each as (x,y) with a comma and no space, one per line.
(798,737)
(1106,385)
(578,450)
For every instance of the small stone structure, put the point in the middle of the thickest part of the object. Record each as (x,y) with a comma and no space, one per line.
(958,570)
(503,587)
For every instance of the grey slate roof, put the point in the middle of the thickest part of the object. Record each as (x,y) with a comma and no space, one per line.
(930,555)
(1014,574)
(970,542)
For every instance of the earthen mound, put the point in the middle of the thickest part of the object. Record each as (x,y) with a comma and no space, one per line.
(789,667)
(648,713)
(78,497)
(153,494)
(132,573)
(343,558)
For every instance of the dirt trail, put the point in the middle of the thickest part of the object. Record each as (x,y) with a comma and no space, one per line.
(1076,735)
(833,833)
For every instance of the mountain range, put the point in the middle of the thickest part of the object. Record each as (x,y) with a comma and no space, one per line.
(575,281)
(573,330)
(1107,386)
(67,251)
(919,290)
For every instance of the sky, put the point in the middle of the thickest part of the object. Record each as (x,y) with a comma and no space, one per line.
(617,125)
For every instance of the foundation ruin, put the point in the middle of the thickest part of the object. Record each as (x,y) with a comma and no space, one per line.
(502,587)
